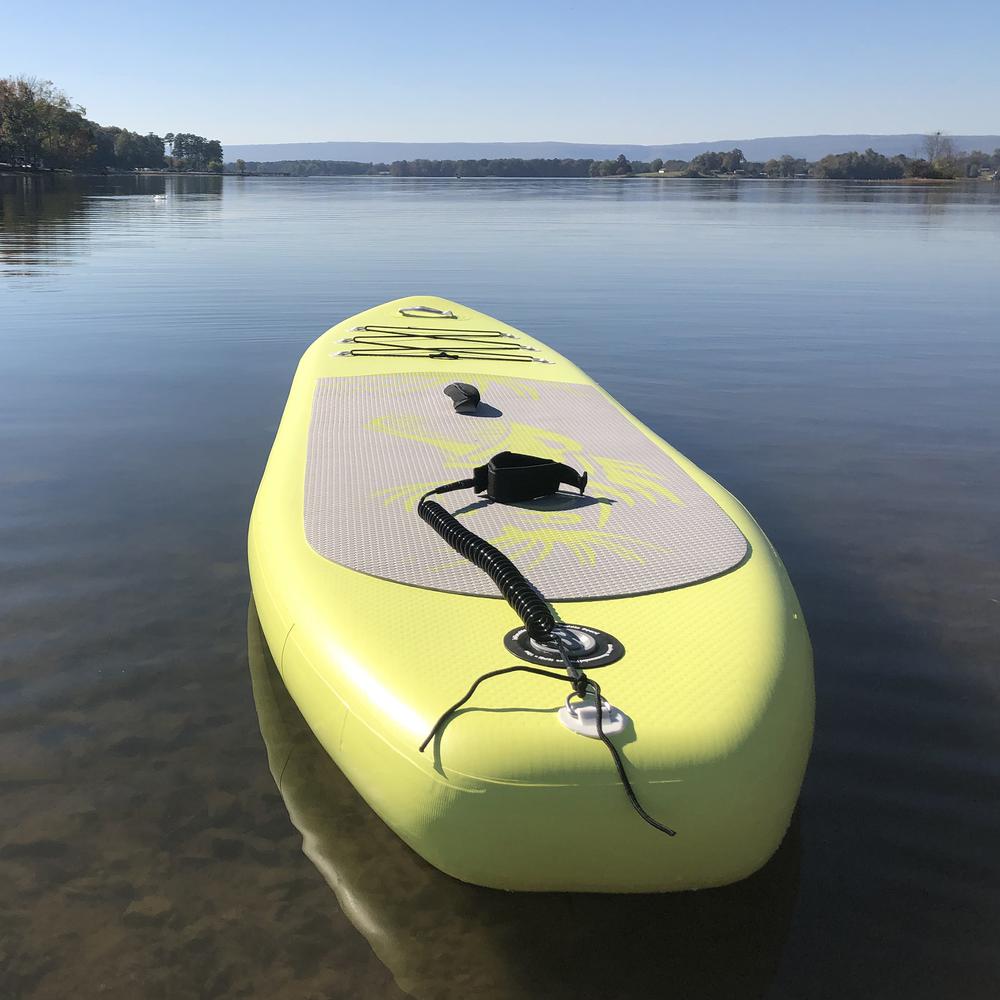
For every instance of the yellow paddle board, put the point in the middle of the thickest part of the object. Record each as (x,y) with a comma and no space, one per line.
(674,599)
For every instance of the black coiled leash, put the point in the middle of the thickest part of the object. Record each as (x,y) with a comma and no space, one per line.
(518,591)
(508,478)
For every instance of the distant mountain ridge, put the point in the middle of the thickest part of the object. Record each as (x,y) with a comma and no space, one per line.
(811,147)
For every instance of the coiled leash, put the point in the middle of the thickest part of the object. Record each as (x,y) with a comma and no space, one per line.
(510,478)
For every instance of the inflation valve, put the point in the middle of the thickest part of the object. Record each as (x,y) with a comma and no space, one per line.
(587,647)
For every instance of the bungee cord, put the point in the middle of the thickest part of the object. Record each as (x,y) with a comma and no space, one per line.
(378,341)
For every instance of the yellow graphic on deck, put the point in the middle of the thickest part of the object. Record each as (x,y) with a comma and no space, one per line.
(554,523)
(537,544)
(617,479)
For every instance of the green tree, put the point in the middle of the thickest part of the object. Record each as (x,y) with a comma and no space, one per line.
(67,137)
(866,166)
(921,169)
(712,163)
(786,166)
(702,163)
(37,119)
(130,150)
(732,161)
(194,152)
(39,126)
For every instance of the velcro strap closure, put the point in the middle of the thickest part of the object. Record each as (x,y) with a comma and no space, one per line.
(510,477)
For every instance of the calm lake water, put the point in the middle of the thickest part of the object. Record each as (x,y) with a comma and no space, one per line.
(830,353)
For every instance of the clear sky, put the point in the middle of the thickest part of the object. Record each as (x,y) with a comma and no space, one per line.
(616,71)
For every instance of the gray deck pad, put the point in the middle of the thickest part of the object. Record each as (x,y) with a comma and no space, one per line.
(377,442)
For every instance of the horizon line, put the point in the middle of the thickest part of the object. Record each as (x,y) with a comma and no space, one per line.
(594,142)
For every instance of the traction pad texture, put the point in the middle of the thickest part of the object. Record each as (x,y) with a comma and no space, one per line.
(378,442)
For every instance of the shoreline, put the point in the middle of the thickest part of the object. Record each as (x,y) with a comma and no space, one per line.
(6,171)
(10,171)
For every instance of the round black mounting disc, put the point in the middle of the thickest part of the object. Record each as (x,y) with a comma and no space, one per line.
(588,647)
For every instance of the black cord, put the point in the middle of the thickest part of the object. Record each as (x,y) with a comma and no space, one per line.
(472,690)
(580,685)
(390,342)
(620,766)
(428,352)
(532,610)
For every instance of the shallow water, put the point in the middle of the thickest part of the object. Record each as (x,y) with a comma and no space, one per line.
(830,353)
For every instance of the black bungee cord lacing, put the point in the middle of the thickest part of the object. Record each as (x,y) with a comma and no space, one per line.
(376,341)
(522,596)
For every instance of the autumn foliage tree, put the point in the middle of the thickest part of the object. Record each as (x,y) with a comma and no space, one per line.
(38,123)
(41,127)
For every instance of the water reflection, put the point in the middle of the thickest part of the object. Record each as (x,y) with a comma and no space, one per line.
(38,216)
(441,938)
(50,220)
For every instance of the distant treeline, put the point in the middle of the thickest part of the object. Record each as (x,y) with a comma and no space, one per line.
(306,168)
(941,161)
(511,167)
(40,128)
(870,165)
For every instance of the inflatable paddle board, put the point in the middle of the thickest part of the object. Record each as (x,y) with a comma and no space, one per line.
(655,731)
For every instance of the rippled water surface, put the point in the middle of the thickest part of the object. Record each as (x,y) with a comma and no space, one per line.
(830,353)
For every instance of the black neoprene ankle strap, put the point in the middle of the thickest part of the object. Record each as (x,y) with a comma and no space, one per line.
(511,478)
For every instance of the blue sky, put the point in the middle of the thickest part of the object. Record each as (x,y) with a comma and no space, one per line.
(652,72)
